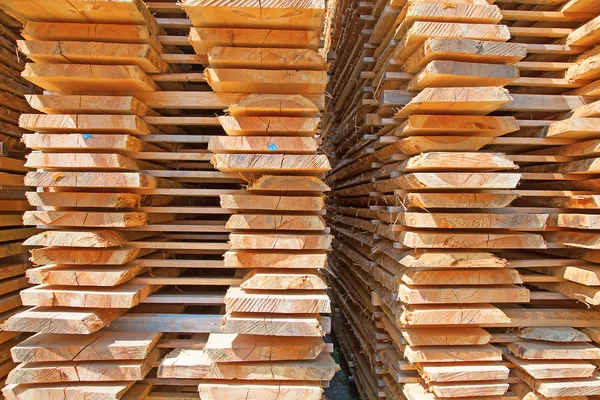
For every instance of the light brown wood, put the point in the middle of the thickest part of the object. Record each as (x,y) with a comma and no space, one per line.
(85,31)
(77,78)
(307,14)
(82,199)
(558,334)
(92,219)
(130,180)
(266,81)
(461,101)
(288,302)
(127,12)
(83,371)
(449,337)
(122,296)
(71,276)
(292,105)
(560,388)
(99,238)
(280,241)
(243,348)
(204,39)
(282,279)
(441,73)
(269,126)
(67,255)
(288,184)
(76,141)
(271,163)
(257,259)
(88,104)
(578,128)
(75,123)
(427,354)
(308,325)
(62,320)
(276,222)
(531,350)
(259,390)
(68,52)
(555,369)
(105,391)
(265,58)
(258,202)
(88,161)
(458,295)
(464,50)
(461,372)
(456,125)
(262,144)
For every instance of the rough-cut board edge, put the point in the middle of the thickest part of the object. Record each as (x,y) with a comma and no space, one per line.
(97,346)
(131,12)
(307,14)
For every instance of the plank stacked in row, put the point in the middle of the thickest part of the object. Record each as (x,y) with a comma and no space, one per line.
(432,230)
(271,343)
(92,185)
(560,363)
(13,255)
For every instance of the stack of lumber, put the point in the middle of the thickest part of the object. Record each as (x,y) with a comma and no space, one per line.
(464,197)
(107,198)
(13,255)
(271,343)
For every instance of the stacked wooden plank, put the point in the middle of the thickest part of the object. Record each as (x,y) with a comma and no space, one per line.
(90,198)
(13,255)
(464,169)
(561,362)
(271,342)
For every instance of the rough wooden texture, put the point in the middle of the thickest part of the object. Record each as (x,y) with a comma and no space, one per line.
(76,78)
(440,73)
(62,320)
(125,12)
(288,183)
(99,238)
(83,371)
(274,14)
(44,347)
(67,52)
(75,391)
(465,101)
(88,104)
(235,347)
(292,105)
(258,202)
(122,296)
(265,58)
(65,275)
(271,163)
(268,390)
(64,123)
(308,325)
(281,279)
(269,126)
(205,39)
(287,302)
(262,144)
(464,50)
(269,241)
(257,259)
(265,81)
(276,222)
(85,31)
